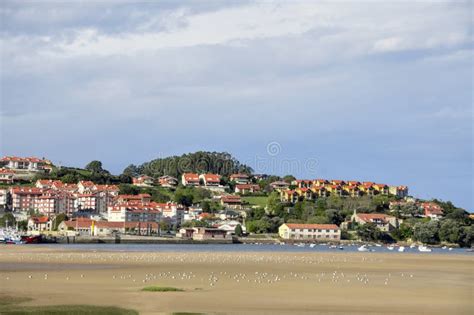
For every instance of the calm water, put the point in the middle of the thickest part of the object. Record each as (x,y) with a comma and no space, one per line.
(238,248)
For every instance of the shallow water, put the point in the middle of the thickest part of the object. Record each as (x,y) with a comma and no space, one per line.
(239,248)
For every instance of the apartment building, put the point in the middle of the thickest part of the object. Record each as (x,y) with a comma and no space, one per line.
(307,232)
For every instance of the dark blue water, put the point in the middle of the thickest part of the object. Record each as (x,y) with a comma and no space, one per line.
(241,248)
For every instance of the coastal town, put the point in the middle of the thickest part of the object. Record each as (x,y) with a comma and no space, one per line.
(44,206)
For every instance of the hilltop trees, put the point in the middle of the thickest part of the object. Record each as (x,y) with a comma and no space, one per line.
(199,162)
(95,167)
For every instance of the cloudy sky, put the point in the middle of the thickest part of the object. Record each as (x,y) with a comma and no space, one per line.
(350,90)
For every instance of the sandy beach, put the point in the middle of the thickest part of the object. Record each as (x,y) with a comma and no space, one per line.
(242,282)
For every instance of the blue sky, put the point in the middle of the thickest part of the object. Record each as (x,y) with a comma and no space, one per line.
(358,90)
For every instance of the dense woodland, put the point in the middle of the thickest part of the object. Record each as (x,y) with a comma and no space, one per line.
(199,162)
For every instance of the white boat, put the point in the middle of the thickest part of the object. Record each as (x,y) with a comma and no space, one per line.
(424,249)
(378,245)
(390,247)
(300,245)
(312,245)
(363,248)
(444,247)
(401,249)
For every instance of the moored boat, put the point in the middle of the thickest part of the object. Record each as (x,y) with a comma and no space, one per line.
(424,249)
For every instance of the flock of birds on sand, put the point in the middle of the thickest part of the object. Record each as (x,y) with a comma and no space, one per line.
(177,269)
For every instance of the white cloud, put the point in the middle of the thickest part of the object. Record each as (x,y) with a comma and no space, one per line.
(361,28)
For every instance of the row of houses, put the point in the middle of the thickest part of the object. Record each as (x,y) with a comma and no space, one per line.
(49,198)
(31,164)
(313,189)
(53,196)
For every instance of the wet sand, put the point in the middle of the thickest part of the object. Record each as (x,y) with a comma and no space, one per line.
(242,282)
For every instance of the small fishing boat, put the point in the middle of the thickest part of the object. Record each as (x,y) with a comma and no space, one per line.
(424,249)
(390,247)
(363,248)
(401,249)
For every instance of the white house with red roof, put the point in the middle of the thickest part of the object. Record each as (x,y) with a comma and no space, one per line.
(246,188)
(309,232)
(190,179)
(240,179)
(135,212)
(168,181)
(432,210)
(85,186)
(32,164)
(383,221)
(279,185)
(210,180)
(39,224)
(231,201)
(143,181)
(44,183)
(6,176)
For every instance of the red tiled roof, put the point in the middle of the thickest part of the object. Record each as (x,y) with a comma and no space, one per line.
(231,199)
(6,171)
(191,177)
(241,176)
(367,217)
(40,220)
(312,226)
(21,159)
(27,190)
(304,189)
(133,197)
(248,186)
(213,178)
(432,208)
(353,183)
(107,187)
(86,183)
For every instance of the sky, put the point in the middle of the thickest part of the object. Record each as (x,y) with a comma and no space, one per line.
(356,90)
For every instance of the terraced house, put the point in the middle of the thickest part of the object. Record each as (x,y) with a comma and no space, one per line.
(313,189)
(32,164)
